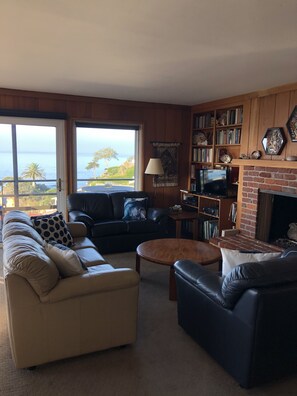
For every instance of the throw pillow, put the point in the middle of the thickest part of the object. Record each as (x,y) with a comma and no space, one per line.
(135,208)
(63,247)
(232,258)
(67,261)
(53,228)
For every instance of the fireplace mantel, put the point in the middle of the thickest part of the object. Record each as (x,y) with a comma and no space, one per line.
(265,163)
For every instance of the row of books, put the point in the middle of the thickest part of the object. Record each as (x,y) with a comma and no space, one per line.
(210,229)
(230,117)
(207,229)
(228,136)
(202,154)
(203,121)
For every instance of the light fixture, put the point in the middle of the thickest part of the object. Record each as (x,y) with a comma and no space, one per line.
(155,168)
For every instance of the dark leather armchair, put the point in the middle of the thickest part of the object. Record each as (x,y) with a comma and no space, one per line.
(247,320)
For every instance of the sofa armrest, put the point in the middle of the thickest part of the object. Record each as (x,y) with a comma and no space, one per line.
(157,214)
(98,279)
(78,215)
(207,282)
(77,229)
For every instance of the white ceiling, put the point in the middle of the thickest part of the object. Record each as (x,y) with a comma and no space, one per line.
(166,51)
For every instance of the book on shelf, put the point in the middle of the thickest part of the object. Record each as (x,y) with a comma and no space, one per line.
(203,121)
(202,154)
(210,229)
(228,136)
(230,117)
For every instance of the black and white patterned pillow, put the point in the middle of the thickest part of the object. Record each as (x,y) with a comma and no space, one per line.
(53,228)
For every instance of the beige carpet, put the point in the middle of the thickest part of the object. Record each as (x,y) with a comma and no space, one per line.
(163,361)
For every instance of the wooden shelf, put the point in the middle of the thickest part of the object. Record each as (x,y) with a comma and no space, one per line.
(211,209)
(265,163)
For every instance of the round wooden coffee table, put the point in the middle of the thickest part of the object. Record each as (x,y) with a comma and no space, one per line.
(168,251)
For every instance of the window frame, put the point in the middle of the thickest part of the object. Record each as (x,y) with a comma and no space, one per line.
(138,147)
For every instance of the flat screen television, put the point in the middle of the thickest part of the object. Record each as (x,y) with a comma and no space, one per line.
(212,182)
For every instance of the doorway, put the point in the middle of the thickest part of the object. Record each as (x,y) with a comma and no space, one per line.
(32,171)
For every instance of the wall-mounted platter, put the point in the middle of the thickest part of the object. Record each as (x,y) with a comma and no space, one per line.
(292,125)
(274,141)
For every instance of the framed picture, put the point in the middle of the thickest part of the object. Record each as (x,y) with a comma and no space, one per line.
(292,125)
(274,141)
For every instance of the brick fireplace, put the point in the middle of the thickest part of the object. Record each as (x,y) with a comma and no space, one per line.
(256,178)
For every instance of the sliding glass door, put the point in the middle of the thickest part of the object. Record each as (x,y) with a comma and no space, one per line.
(32,165)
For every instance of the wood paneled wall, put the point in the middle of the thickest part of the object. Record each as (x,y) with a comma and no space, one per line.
(166,123)
(272,110)
(161,122)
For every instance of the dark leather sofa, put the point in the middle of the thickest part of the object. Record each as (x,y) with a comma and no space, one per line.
(247,320)
(102,213)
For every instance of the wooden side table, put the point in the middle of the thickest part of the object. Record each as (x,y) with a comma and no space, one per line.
(178,217)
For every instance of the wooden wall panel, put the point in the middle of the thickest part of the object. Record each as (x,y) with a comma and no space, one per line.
(281,117)
(266,120)
(160,122)
(251,132)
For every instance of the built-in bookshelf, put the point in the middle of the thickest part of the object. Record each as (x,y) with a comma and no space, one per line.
(215,214)
(216,140)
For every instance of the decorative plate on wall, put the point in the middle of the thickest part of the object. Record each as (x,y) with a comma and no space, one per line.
(274,141)
(292,125)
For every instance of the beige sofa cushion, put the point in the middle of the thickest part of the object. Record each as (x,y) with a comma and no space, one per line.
(12,228)
(17,215)
(67,261)
(25,257)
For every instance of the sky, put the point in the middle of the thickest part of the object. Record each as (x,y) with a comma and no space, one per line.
(42,139)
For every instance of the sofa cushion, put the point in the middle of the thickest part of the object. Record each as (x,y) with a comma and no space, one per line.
(142,227)
(231,258)
(67,261)
(53,227)
(21,229)
(27,258)
(17,216)
(135,208)
(90,257)
(106,228)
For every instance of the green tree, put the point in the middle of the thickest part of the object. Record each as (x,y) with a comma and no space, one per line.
(93,165)
(106,154)
(34,172)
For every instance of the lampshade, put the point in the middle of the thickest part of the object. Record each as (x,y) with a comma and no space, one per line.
(154,167)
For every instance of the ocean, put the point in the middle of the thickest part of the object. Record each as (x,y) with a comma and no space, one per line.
(47,162)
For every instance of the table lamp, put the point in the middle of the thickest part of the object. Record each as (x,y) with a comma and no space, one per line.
(155,168)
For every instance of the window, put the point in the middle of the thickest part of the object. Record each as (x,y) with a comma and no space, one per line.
(107,157)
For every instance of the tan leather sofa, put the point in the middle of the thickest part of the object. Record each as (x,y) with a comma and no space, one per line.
(50,317)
